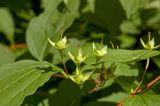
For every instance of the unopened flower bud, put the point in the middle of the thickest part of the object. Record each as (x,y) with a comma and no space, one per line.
(77,59)
(150,45)
(99,52)
(61,44)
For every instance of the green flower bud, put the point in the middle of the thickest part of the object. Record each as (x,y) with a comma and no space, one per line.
(77,59)
(100,52)
(150,45)
(79,78)
(61,44)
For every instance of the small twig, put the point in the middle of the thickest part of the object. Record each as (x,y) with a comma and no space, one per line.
(64,65)
(58,76)
(138,87)
(18,46)
(150,84)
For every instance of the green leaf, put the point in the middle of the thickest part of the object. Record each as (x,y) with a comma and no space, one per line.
(115,97)
(122,55)
(36,34)
(118,55)
(6,55)
(127,82)
(49,24)
(125,75)
(132,6)
(7,23)
(124,69)
(143,100)
(22,78)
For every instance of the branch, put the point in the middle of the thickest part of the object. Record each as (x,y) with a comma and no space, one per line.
(18,46)
(149,85)
(58,76)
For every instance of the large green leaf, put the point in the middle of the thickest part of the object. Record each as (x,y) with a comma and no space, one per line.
(143,100)
(49,25)
(6,55)
(122,55)
(132,6)
(22,78)
(7,24)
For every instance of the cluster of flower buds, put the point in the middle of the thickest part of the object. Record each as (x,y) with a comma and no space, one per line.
(78,59)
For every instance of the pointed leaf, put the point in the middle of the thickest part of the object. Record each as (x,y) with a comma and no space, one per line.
(22,78)
(49,25)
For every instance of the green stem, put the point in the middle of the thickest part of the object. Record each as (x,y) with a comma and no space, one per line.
(64,65)
(64,74)
(94,69)
(138,87)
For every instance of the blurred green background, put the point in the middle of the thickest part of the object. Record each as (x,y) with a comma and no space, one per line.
(123,22)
